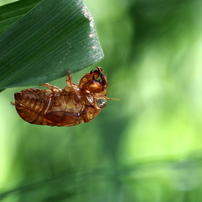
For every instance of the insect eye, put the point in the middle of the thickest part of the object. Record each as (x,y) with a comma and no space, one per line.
(102,102)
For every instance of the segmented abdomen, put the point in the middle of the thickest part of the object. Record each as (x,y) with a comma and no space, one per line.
(31,103)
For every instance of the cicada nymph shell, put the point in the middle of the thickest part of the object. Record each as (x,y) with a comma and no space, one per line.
(70,106)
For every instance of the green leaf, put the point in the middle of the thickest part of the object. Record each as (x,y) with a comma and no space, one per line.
(44,43)
(10,13)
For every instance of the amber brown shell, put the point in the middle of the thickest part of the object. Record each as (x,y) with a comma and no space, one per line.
(70,106)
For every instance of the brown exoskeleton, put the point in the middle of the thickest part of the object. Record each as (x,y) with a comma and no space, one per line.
(70,106)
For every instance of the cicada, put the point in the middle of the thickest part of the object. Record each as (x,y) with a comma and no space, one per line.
(70,106)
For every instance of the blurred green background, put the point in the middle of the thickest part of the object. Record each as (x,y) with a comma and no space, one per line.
(147,147)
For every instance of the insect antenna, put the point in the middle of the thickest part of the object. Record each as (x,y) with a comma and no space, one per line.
(111,98)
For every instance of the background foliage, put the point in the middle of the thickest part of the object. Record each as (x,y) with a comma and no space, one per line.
(144,148)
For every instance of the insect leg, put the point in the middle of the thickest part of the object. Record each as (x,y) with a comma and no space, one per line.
(69,79)
(54,90)
(51,87)
(89,113)
(47,105)
(72,86)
